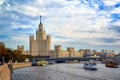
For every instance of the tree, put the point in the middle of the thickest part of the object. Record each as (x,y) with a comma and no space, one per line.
(3,50)
(15,55)
(10,54)
(18,56)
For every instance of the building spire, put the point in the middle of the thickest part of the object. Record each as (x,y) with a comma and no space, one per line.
(40,19)
(40,25)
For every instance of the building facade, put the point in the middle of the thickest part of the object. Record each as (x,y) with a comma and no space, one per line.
(23,51)
(42,44)
(59,53)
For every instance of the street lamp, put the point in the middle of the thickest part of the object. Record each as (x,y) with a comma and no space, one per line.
(10,64)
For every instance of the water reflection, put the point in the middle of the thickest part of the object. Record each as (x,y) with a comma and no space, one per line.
(66,72)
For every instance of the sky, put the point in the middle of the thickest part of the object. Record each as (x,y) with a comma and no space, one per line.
(82,24)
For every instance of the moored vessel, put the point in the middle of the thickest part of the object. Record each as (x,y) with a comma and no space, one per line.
(34,63)
(51,62)
(42,63)
(111,64)
(90,66)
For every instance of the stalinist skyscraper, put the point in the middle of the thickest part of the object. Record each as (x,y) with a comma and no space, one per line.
(42,44)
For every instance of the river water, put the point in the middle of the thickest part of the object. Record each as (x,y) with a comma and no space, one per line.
(66,71)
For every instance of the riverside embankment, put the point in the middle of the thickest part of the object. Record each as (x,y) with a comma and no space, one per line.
(5,71)
(21,65)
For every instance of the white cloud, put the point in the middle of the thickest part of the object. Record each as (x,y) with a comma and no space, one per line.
(45,2)
(1,2)
(117,23)
(27,10)
(95,42)
(111,2)
(116,10)
(81,17)
(14,41)
(96,26)
(19,38)
(41,2)
(18,25)
(71,20)
(4,6)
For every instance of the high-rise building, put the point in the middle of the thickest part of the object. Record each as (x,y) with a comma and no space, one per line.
(42,44)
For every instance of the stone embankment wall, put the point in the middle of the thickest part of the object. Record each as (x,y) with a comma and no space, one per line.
(21,65)
(5,73)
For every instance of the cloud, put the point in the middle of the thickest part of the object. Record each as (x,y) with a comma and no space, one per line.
(1,2)
(14,41)
(115,28)
(109,40)
(116,10)
(20,26)
(115,17)
(117,23)
(111,2)
(27,10)
(92,22)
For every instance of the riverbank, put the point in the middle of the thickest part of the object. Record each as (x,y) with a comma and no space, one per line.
(21,65)
(7,69)
(5,73)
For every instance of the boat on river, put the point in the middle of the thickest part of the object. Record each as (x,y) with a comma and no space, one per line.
(34,63)
(111,64)
(42,63)
(90,66)
(51,62)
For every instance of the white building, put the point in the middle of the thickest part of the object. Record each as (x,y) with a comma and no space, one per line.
(42,44)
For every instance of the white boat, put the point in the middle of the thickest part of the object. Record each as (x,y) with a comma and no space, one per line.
(90,66)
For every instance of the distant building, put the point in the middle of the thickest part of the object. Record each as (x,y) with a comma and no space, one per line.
(24,52)
(42,44)
(20,48)
(59,53)
(108,53)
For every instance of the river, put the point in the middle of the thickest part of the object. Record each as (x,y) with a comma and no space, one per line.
(66,71)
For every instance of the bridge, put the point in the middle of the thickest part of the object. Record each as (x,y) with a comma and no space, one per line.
(62,60)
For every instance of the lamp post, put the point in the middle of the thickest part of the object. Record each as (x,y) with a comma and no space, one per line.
(10,64)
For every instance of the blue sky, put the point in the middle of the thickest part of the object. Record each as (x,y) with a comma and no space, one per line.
(82,24)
